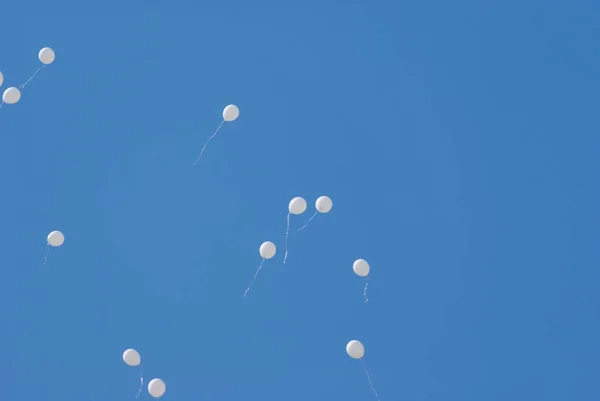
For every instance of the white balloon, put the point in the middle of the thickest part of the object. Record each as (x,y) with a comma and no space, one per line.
(157,388)
(132,357)
(11,95)
(1,78)
(46,55)
(324,204)
(297,205)
(56,238)
(267,250)
(361,267)
(231,113)
(355,349)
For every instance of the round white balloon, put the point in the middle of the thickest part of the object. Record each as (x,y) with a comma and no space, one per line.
(267,250)
(46,55)
(231,113)
(297,205)
(324,204)
(157,388)
(355,349)
(1,78)
(56,238)
(132,357)
(361,268)
(11,95)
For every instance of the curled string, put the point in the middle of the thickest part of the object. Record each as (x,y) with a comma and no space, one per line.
(22,86)
(369,377)
(47,252)
(309,220)
(254,279)
(365,291)
(141,383)
(287,233)
(209,139)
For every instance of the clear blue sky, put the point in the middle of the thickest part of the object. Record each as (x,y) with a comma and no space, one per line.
(458,140)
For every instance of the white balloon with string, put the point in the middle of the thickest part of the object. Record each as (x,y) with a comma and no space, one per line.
(323,205)
(230,113)
(267,251)
(296,206)
(132,358)
(361,268)
(54,239)
(356,350)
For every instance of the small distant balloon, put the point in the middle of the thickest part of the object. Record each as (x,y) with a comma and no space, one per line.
(157,388)
(267,251)
(1,78)
(46,56)
(361,268)
(132,357)
(11,95)
(56,238)
(296,206)
(323,205)
(355,349)
(230,113)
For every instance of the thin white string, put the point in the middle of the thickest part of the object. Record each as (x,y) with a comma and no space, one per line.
(309,220)
(287,233)
(22,86)
(141,383)
(209,139)
(255,275)
(369,377)
(47,252)
(365,291)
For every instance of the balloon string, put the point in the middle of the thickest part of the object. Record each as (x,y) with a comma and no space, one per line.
(255,275)
(1,104)
(287,233)
(369,377)
(309,220)
(209,139)
(29,80)
(141,383)
(365,291)
(47,253)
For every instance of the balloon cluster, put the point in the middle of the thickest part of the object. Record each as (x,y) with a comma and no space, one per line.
(267,250)
(13,94)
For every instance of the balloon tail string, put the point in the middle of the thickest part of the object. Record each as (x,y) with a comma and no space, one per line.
(254,279)
(369,378)
(287,233)
(209,139)
(308,222)
(1,104)
(365,292)
(47,253)
(22,86)
(141,383)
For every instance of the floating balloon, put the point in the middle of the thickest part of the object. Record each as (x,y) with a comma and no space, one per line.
(267,251)
(132,358)
(297,206)
(157,388)
(1,78)
(356,350)
(55,239)
(46,56)
(230,113)
(362,269)
(11,95)
(323,205)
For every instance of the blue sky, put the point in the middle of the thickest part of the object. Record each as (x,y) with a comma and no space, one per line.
(458,141)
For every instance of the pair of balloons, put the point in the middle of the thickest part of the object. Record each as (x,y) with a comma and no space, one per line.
(298,205)
(156,387)
(12,95)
